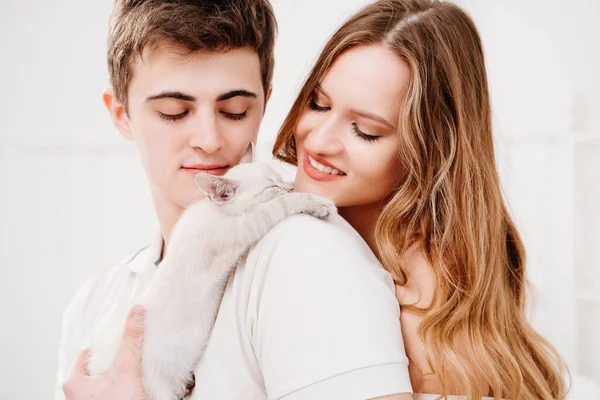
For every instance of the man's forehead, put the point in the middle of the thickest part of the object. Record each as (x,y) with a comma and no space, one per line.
(207,74)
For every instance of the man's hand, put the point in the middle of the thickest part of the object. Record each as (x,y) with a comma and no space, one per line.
(124,380)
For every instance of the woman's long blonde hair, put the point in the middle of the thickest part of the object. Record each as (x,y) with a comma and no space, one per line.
(478,339)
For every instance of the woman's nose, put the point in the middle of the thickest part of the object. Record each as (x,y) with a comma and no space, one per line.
(326,138)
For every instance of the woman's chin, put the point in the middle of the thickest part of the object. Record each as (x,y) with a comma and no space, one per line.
(307,185)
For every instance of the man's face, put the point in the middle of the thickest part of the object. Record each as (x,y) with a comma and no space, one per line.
(190,114)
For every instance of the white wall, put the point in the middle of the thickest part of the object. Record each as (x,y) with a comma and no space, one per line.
(74,196)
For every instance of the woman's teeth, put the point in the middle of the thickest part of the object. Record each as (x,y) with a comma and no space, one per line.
(323,168)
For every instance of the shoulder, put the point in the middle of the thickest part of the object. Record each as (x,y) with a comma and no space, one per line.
(297,225)
(306,251)
(103,283)
(304,236)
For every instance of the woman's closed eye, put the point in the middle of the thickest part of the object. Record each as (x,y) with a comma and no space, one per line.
(315,106)
(363,135)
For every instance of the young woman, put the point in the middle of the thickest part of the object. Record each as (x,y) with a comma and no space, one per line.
(394,125)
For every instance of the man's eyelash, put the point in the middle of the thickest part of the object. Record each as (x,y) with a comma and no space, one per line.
(235,117)
(173,117)
(176,117)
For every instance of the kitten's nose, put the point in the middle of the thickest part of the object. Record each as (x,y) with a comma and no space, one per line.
(288,187)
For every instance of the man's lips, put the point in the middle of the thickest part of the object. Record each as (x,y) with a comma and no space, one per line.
(212,169)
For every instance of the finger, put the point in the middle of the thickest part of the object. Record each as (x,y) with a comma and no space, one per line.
(72,386)
(84,388)
(129,355)
(79,366)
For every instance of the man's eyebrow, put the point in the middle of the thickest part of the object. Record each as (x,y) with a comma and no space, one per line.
(235,93)
(171,95)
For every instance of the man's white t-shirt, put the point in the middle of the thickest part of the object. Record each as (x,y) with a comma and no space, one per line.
(308,314)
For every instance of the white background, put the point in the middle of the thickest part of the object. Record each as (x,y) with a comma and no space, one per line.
(74,198)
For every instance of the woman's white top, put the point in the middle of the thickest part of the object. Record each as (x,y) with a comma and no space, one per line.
(308,314)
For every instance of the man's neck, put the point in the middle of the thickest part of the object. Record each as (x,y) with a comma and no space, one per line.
(168,215)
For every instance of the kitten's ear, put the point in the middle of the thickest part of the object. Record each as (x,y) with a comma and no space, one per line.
(219,190)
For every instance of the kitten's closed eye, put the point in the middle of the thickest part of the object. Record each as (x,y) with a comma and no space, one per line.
(288,187)
(281,187)
(273,187)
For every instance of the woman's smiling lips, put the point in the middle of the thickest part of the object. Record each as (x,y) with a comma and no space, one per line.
(319,169)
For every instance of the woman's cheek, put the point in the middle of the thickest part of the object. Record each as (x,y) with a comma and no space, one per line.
(307,123)
(300,131)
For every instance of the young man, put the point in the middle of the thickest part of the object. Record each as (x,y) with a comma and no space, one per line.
(189,84)
(308,313)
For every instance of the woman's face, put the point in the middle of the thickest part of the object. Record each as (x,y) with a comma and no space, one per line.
(346,137)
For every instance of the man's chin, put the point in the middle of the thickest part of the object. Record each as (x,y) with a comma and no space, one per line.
(185,202)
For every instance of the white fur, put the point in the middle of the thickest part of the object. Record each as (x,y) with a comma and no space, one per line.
(184,296)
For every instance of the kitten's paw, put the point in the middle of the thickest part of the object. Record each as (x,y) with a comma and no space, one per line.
(320,207)
(326,209)
(308,203)
(158,389)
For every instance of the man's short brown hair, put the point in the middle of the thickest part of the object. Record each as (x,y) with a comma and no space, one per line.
(188,26)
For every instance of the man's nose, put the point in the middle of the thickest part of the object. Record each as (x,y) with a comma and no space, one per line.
(205,134)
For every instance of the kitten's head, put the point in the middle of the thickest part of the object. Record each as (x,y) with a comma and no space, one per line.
(245,184)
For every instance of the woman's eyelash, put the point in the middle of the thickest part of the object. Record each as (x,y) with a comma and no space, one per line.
(314,106)
(362,135)
(173,117)
(369,138)
(235,117)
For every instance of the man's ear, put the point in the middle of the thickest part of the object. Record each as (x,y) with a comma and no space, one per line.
(217,189)
(117,113)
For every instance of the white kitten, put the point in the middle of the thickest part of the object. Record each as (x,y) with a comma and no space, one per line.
(184,296)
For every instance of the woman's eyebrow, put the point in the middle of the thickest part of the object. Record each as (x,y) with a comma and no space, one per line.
(373,117)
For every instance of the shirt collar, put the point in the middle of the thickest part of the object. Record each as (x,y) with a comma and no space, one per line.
(147,257)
